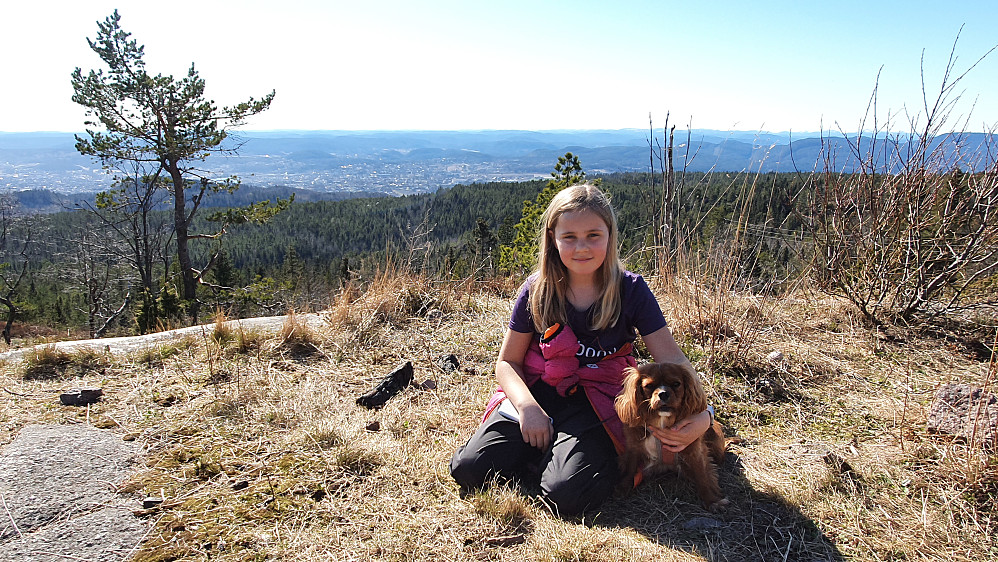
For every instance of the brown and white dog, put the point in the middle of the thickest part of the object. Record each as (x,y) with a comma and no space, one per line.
(660,395)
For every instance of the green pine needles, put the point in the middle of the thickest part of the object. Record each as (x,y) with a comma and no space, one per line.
(520,256)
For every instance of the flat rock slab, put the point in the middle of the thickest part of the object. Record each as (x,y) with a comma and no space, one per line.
(133,344)
(58,487)
(110,534)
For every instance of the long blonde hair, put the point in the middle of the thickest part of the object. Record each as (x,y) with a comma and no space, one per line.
(549,291)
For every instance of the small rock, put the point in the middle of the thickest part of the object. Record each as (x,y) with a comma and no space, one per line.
(428,384)
(775,357)
(448,363)
(81,396)
(373,426)
(151,502)
(240,485)
(964,411)
(702,524)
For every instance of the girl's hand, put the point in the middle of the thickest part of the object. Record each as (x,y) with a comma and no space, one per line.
(686,431)
(535,425)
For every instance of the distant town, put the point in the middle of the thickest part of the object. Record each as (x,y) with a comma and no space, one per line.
(408,162)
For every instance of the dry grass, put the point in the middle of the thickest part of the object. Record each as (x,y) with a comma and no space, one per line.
(260,451)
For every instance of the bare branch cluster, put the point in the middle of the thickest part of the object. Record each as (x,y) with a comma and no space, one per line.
(916,229)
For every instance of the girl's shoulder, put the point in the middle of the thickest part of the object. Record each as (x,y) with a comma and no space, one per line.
(628,275)
(634,291)
(528,283)
(630,281)
(639,305)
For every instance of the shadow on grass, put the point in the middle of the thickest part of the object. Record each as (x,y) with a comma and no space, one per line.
(757,525)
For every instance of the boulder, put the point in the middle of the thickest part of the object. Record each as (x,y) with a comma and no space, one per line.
(966,412)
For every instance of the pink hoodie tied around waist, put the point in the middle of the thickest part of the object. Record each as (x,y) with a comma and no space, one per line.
(553,360)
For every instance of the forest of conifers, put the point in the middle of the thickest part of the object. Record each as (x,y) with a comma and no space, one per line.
(301,257)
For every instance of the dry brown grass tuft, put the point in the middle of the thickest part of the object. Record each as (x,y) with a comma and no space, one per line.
(392,300)
(275,459)
(509,509)
(222,334)
(47,362)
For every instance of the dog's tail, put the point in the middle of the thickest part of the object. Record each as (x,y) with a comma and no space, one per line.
(717,443)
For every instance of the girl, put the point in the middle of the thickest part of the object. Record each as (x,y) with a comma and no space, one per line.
(561,364)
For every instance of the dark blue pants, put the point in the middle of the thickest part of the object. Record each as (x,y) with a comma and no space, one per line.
(576,474)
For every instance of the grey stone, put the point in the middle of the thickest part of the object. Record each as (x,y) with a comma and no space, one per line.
(703,524)
(58,485)
(966,412)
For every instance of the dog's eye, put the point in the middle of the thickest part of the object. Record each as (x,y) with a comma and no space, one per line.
(676,384)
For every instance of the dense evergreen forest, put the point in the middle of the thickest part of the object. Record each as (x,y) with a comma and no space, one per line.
(73,279)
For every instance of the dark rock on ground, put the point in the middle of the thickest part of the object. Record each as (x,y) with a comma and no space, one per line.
(390,385)
(448,363)
(81,396)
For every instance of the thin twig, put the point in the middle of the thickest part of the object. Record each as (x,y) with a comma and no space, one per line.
(28,396)
(10,516)
(69,556)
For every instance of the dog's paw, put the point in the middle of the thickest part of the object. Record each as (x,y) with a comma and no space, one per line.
(720,506)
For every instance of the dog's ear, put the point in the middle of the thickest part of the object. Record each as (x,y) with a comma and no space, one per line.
(694,398)
(628,400)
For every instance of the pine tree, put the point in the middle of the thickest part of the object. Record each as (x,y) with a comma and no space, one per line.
(163,127)
(521,255)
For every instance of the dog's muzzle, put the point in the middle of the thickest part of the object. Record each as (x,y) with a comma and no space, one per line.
(662,396)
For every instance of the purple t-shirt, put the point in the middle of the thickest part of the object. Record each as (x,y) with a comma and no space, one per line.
(639,314)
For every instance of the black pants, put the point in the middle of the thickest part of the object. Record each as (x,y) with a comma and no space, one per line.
(577,473)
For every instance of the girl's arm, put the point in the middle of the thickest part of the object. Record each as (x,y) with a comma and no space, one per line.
(535,425)
(664,349)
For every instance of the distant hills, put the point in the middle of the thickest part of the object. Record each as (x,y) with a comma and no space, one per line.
(402,162)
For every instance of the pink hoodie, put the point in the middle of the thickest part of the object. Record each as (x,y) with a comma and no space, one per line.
(553,360)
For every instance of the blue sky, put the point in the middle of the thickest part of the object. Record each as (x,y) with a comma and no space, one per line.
(535,64)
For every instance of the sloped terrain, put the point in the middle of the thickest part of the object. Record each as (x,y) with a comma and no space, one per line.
(258,449)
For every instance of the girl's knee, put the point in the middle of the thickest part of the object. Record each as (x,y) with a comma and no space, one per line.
(569,497)
(467,471)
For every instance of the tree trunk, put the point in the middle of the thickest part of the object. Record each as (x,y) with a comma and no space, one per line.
(181,224)
(11,311)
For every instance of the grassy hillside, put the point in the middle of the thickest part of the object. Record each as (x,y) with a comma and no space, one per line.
(260,451)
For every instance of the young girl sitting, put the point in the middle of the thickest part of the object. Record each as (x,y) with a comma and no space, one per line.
(561,364)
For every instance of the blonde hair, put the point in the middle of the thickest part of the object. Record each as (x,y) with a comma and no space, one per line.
(548,293)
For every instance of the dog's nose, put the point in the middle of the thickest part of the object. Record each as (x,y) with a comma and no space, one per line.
(663,395)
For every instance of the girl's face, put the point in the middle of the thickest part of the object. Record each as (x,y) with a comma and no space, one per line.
(581,238)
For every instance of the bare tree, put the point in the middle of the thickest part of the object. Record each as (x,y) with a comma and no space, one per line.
(136,234)
(95,266)
(15,239)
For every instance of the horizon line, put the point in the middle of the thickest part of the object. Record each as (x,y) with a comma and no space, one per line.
(469,130)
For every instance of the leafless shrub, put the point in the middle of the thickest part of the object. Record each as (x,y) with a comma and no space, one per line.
(915,229)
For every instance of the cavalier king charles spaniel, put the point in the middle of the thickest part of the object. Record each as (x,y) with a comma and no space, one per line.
(661,395)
